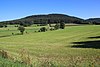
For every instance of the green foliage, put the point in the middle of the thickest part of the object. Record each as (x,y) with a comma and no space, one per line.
(3,25)
(21,29)
(43,29)
(57,26)
(93,21)
(10,63)
(62,25)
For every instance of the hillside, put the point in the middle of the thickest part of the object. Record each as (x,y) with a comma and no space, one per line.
(94,20)
(44,19)
(52,18)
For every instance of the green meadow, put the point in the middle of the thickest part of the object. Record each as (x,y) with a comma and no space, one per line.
(75,46)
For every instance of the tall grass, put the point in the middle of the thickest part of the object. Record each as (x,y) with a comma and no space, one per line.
(26,61)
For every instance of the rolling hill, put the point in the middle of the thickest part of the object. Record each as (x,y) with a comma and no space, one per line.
(52,18)
(94,20)
(44,19)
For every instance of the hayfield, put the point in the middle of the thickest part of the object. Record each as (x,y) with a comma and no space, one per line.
(74,46)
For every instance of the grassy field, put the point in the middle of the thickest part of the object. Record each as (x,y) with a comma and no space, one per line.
(75,46)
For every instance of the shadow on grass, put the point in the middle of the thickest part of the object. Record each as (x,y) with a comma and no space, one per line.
(87,44)
(9,35)
(5,36)
(94,37)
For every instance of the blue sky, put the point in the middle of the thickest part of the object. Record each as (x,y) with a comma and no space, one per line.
(15,9)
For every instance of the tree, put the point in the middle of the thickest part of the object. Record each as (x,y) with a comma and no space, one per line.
(43,29)
(57,26)
(21,29)
(62,25)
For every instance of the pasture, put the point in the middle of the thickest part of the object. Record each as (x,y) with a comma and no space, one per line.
(74,46)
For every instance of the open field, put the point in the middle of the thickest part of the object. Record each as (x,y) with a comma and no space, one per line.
(74,46)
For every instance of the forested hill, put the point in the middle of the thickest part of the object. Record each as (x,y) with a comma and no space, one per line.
(54,18)
(94,20)
(44,19)
(51,18)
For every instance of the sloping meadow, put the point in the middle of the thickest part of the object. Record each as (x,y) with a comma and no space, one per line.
(74,46)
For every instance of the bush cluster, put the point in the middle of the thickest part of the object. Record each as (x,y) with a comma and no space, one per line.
(42,29)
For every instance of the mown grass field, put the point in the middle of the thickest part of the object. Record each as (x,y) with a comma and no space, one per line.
(74,46)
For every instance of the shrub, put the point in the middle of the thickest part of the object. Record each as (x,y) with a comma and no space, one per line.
(5,26)
(43,29)
(12,33)
(62,25)
(39,31)
(21,29)
(1,26)
(35,31)
(57,26)
(16,25)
